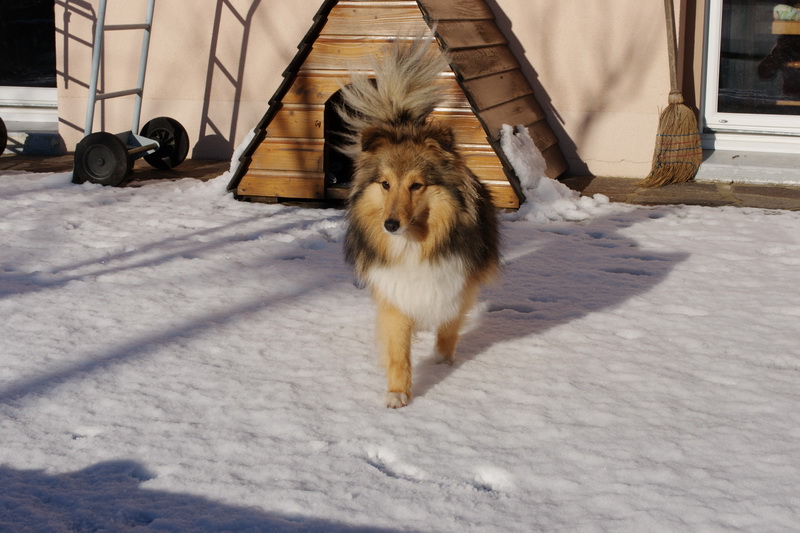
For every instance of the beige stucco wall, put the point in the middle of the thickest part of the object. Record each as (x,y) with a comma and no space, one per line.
(602,69)
(599,68)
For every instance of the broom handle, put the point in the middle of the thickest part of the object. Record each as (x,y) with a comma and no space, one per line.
(675,93)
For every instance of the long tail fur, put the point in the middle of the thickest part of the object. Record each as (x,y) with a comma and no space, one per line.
(403,89)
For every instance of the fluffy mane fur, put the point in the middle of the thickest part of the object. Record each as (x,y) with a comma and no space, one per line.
(391,110)
(459,207)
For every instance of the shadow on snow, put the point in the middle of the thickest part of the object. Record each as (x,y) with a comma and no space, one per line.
(560,274)
(109,497)
(554,274)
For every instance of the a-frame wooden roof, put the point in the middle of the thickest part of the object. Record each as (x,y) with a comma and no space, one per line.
(489,90)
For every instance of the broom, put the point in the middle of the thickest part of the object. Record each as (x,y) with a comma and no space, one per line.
(678,152)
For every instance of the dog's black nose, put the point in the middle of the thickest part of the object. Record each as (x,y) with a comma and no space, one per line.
(391,225)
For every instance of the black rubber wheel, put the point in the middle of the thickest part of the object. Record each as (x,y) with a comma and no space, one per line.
(101,158)
(3,136)
(172,139)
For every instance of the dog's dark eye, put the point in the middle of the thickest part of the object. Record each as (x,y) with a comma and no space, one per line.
(385,185)
(415,187)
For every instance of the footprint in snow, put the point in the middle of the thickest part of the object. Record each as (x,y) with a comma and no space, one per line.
(85,432)
(492,479)
(386,462)
(519,308)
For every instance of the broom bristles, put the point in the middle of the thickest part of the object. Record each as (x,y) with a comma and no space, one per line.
(678,152)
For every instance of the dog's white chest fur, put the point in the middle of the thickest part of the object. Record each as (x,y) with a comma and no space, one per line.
(430,293)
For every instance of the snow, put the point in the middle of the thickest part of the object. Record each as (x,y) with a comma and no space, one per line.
(548,200)
(174,360)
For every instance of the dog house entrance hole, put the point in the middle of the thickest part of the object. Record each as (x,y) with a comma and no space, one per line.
(338,166)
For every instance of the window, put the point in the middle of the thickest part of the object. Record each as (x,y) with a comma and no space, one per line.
(752,70)
(28,98)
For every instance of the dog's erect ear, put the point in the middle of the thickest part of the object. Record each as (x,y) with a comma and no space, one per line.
(371,138)
(443,137)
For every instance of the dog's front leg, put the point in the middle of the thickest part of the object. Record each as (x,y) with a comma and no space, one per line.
(447,334)
(394,342)
(446,340)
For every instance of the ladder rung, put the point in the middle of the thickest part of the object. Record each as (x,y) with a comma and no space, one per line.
(117,94)
(112,27)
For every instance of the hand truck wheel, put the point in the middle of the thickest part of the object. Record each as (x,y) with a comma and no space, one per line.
(172,139)
(101,158)
(3,136)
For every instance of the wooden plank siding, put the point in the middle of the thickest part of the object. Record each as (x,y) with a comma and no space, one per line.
(374,19)
(525,110)
(307,122)
(483,90)
(353,52)
(497,89)
(461,34)
(458,10)
(304,155)
(504,195)
(317,86)
(298,121)
(288,185)
(477,62)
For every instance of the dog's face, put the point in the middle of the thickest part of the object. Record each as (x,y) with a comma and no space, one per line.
(402,193)
(401,178)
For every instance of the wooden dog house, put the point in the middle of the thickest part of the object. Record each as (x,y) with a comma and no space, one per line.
(292,154)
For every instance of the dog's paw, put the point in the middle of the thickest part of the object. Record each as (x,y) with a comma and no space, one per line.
(441,359)
(395,400)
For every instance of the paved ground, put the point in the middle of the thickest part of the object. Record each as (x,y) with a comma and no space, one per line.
(617,189)
(691,193)
(142,171)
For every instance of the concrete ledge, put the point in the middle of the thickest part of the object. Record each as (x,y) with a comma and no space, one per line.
(716,194)
(732,166)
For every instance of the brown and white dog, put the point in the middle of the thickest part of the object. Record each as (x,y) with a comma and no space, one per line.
(422,229)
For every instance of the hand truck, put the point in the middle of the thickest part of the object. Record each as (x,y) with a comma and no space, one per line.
(107,158)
